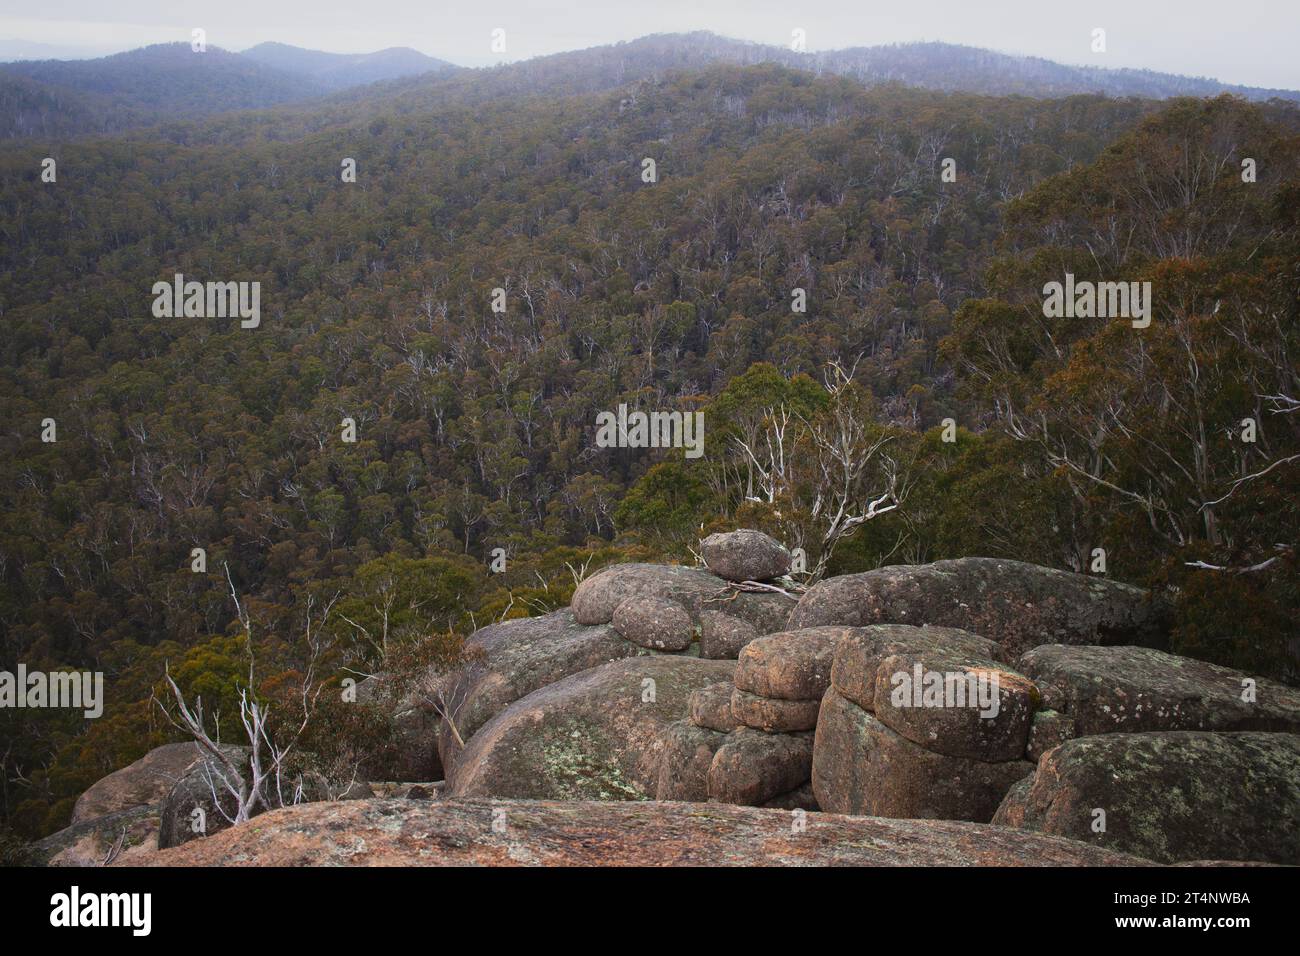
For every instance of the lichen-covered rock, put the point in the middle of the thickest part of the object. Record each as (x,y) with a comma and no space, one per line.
(860,766)
(752,767)
(1169,796)
(688,752)
(100,840)
(657,623)
(791,665)
(142,783)
(596,734)
(956,705)
(711,707)
(723,636)
(595,599)
(512,659)
(1129,689)
(772,715)
(1011,811)
(582,833)
(1016,604)
(745,555)
(862,650)
(1048,729)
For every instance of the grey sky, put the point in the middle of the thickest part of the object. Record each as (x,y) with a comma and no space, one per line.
(1252,43)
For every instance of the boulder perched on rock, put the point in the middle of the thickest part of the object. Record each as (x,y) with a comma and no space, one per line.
(745,555)
(1016,604)
(773,715)
(790,665)
(656,623)
(752,767)
(1169,796)
(861,766)
(1127,689)
(688,751)
(99,840)
(595,734)
(723,636)
(512,659)
(711,707)
(142,783)
(547,833)
(595,599)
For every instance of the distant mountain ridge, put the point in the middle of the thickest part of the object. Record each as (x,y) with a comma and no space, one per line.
(336,71)
(169,82)
(929,65)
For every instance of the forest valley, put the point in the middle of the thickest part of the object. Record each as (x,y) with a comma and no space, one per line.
(1080,443)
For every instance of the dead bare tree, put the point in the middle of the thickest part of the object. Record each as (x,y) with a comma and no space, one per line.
(823,475)
(260,782)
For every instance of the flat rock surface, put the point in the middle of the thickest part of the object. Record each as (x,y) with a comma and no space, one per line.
(1018,605)
(547,833)
(1127,689)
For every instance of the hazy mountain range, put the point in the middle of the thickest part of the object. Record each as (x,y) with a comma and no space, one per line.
(166,82)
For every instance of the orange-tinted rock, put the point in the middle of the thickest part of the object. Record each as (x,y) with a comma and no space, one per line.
(547,833)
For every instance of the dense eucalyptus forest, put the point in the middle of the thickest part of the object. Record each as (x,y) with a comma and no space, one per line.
(855,326)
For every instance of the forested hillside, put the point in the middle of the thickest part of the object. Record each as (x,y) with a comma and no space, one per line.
(475,428)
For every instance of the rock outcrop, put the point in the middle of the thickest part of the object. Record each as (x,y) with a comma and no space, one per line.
(660,624)
(142,783)
(1171,796)
(1106,690)
(121,835)
(919,723)
(512,659)
(593,735)
(752,767)
(546,833)
(925,701)
(791,665)
(1018,605)
(688,751)
(595,599)
(710,707)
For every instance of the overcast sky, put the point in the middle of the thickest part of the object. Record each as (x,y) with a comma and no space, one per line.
(1256,42)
